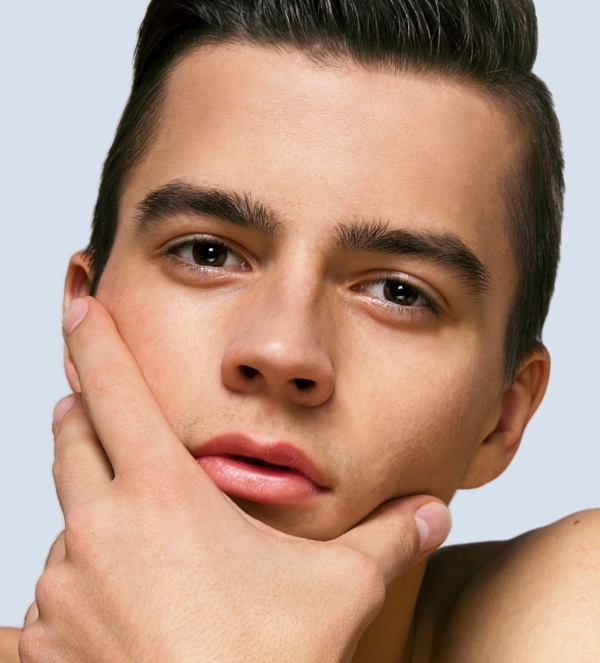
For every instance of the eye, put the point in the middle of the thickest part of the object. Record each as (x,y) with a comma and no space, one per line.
(207,252)
(401,293)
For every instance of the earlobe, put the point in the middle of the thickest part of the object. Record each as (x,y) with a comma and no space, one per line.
(77,284)
(519,403)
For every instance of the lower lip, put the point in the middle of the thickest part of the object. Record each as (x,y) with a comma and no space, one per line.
(256,483)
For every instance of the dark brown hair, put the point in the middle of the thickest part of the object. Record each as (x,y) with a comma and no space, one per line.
(489,43)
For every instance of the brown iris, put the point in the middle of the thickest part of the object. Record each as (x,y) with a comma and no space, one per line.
(209,254)
(401,293)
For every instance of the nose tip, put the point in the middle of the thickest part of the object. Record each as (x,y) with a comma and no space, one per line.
(302,378)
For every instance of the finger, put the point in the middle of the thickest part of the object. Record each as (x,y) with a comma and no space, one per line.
(57,551)
(400,533)
(122,409)
(31,616)
(80,464)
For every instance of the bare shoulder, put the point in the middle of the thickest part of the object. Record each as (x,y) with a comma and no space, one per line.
(535,598)
(9,641)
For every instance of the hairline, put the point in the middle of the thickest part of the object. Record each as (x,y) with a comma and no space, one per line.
(330,59)
(497,93)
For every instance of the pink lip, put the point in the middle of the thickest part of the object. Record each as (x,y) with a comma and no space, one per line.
(295,479)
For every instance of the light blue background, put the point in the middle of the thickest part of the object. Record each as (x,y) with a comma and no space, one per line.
(64,79)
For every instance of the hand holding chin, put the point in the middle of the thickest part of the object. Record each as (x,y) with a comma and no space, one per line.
(156,564)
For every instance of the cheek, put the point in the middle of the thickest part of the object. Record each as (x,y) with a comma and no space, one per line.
(177,344)
(419,419)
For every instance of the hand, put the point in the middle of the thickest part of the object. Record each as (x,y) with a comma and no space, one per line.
(158,565)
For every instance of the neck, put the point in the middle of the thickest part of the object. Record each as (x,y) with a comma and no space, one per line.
(387,640)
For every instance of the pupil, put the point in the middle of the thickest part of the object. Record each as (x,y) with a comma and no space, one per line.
(401,293)
(210,254)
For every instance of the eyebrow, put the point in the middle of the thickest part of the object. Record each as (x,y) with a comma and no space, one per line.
(445,249)
(180,198)
(241,209)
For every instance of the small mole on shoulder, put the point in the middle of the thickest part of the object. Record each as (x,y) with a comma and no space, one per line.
(577,522)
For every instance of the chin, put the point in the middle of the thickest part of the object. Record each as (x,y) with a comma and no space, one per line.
(307,522)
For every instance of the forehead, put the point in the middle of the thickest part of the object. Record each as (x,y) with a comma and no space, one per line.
(327,142)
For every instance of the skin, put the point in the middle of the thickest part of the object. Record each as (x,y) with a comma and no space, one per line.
(430,149)
(156,563)
(402,402)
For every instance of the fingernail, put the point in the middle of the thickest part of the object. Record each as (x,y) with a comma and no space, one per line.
(434,523)
(62,407)
(75,313)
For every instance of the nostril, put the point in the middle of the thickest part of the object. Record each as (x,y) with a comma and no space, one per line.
(248,372)
(303,384)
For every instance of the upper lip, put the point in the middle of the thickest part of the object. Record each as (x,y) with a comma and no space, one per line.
(277,453)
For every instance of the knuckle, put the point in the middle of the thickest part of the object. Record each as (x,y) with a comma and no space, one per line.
(357,578)
(365,578)
(59,431)
(57,469)
(374,591)
(49,588)
(57,551)
(33,646)
(85,524)
(62,436)
(68,461)
(369,583)
(356,567)
(31,615)
(405,540)
(365,569)
(65,446)
(102,381)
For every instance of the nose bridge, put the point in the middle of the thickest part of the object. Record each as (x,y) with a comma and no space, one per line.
(285,321)
(291,308)
(280,345)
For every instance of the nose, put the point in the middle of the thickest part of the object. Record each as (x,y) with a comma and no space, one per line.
(278,352)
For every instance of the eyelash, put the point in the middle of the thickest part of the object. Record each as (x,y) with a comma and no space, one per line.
(169,252)
(398,309)
(432,305)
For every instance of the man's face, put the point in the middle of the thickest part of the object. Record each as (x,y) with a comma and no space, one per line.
(271,306)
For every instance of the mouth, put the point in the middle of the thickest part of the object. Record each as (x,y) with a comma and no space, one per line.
(274,473)
(260,463)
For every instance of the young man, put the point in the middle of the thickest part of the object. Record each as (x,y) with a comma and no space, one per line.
(327,235)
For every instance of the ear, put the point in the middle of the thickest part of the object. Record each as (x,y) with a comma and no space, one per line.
(519,403)
(77,284)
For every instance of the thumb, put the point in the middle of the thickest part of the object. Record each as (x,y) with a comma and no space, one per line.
(400,533)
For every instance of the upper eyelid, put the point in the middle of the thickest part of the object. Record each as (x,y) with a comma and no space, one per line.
(169,250)
(193,239)
(400,277)
(405,278)
(189,240)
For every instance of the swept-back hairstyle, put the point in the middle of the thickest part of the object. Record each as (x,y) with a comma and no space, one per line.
(489,43)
